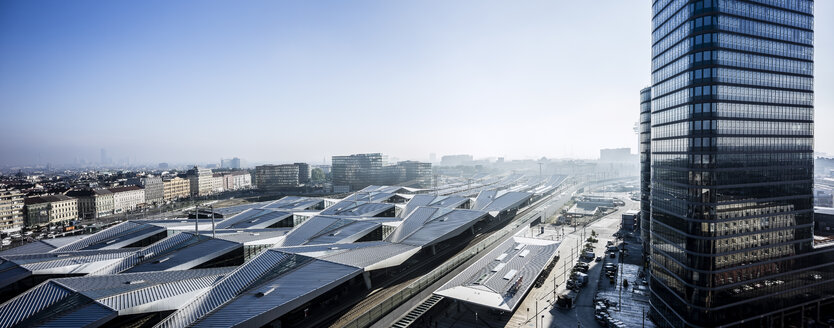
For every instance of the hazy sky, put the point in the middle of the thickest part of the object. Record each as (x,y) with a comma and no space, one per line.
(282,81)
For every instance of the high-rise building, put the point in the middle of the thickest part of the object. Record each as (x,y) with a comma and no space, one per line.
(357,171)
(645,140)
(418,174)
(233,163)
(455,160)
(11,210)
(303,172)
(276,177)
(732,166)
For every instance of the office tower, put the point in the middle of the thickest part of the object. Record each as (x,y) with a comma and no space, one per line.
(645,139)
(276,177)
(417,174)
(731,153)
(357,171)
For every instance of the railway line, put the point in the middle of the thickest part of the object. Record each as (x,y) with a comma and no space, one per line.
(394,286)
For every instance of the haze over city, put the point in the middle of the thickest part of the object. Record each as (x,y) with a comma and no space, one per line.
(282,81)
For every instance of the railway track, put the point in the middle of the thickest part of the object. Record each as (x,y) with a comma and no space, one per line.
(375,299)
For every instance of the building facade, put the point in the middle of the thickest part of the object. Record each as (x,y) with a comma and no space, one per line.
(93,203)
(127,198)
(418,174)
(732,165)
(237,180)
(154,193)
(357,171)
(11,210)
(201,181)
(175,188)
(50,209)
(645,140)
(276,177)
(303,173)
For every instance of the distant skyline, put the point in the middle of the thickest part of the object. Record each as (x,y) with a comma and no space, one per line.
(284,81)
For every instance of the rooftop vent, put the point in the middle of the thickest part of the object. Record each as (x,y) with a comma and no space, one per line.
(264,293)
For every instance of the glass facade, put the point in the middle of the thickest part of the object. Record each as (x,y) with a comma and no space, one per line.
(645,135)
(731,153)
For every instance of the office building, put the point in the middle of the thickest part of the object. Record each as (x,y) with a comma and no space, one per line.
(276,177)
(128,198)
(417,174)
(645,140)
(93,203)
(50,209)
(163,166)
(201,181)
(455,160)
(303,173)
(154,192)
(233,163)
(175,188)
(630,220)
(732,165)
(357,171)
(11,210)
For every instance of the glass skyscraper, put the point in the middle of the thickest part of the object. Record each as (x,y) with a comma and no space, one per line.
(645,135)
(731,230)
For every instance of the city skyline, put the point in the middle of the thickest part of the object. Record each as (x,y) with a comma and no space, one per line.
(130,77)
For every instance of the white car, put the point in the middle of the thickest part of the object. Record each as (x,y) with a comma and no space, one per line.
(7,242)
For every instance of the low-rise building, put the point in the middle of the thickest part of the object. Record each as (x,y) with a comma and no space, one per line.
(275,177)
(50,209)
(127,198)
(175,188)
(237,180)
(154,193)
(631,220)
(93,203)
(217,183)
(11,210)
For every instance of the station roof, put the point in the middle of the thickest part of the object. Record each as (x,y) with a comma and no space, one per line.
(268,286)
(42,245)
(295,203)
(434,201)
(389,189)
(323,229)
(427,226)
(498,201)
(502,277)
(105,297)
(371,255)
(357,208)
(256,218)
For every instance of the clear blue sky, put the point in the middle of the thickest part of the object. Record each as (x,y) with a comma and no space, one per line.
(281,81)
